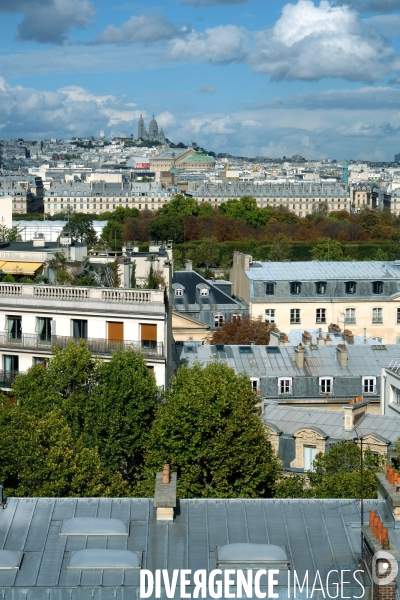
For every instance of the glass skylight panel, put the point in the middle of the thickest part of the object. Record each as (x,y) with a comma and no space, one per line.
(10,559)
(97,558)
(251,552)
(93,526)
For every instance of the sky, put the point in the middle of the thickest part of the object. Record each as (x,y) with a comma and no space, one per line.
(249,77)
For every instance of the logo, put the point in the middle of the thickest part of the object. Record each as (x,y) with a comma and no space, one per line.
(385,571)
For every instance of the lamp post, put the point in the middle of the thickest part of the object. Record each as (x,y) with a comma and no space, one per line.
(359,439)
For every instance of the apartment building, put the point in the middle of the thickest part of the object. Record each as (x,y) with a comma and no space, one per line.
(98,197)
(302,198)
(363,296)
(34,318)
(26,193)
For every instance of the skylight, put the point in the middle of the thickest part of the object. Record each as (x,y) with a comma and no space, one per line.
(245,350)
(97,558)
(93,526)
(10,559)
(251,553)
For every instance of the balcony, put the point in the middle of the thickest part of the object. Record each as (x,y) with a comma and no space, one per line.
(74,293)
(96,346)
(7,378)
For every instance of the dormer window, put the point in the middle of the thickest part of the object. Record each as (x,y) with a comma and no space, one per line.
(350,287)
(270,288)
(377,287)
(295,287)
(179,292)
(204,292)
(320,287)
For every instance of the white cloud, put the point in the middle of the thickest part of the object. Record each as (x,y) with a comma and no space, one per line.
(145,28)
(49,21)
(311,42)
(206,89)
(371,6)
(220,45)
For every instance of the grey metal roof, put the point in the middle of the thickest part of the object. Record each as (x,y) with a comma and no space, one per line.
(290,419)
(363,360)
(316,270)
(296,337)
(316,534)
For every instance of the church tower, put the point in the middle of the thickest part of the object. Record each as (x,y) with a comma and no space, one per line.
(153,130)
(142,133)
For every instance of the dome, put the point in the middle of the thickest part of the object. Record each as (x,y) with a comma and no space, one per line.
(199,158)
(153,128)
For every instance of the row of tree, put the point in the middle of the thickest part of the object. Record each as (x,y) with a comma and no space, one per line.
(83,427)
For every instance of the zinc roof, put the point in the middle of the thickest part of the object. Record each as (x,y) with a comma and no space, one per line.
(317,534)
(316,270)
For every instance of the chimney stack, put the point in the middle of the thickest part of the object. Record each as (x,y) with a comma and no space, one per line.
(165,494)
(328,340)
(189,265)
(354,411)
(306,338)
(333,328)
(342,355)
(299,356)
(348,336)
(320,339)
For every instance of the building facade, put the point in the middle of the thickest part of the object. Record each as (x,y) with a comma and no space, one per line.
(300,198)
(37,317)
(361,296)
(99,197)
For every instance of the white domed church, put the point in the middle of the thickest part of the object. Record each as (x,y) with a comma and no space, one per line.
(153,135)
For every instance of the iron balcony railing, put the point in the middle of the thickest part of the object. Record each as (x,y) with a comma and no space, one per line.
(7,377)
(97,346)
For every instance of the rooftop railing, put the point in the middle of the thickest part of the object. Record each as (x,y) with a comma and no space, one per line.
(97,346)
(63,292)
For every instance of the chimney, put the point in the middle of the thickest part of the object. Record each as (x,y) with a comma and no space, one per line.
(165,495)
(306,338)
(283,339)
(320,339)
(328,340)
(299,356)
(348,336)
(354,411)
(375,538)
(342,355)
(189,265)
(333,328)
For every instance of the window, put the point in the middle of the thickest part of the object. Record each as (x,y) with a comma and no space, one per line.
(270,288)
(320,287)
(377,315)
(40,360)
(395,395)
(178,292)
(350,287)
(295,315)
(309,453)
(325,385)
(204,292)
(350,315)
(44,329)
(295,287)
(218,320)
(10,363)
(79,328)
(270,315)
(321,315)
(369,385)
(148,336)
(377,287)
(14,328)
(236,317)
(255,385)
(284,385)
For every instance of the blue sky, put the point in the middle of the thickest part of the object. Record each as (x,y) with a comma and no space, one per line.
(251,77)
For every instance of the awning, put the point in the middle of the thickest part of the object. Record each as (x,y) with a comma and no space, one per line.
(20,268)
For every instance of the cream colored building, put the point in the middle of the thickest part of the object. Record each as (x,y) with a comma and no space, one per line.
(363,297)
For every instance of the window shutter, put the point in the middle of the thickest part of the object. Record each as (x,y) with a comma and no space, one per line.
(149,333)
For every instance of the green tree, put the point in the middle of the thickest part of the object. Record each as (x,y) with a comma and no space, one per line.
(120,411)
(207,253)
(209,432)
(369,220)
(246,208)
(167,227)
(8,278)
(133,274)
(10,234)
(39,456)
(80,228)
(380,254)
(281,248)
(327,249)
(180,206)
(151,282)
(336,474)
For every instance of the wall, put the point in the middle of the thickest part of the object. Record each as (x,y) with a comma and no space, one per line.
(6,211)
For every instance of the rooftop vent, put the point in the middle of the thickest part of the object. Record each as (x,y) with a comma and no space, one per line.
(247,556)
(10,559)
(97,558)
(93,526)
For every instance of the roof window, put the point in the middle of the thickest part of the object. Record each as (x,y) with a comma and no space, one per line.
(10,559)
(93,526)
(251,555)
(97,558)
